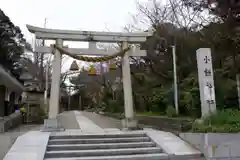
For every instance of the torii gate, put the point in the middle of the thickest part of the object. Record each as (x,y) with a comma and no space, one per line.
(108,37)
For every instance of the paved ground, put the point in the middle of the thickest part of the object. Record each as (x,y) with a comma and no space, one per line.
(69,122)
(102,121)
(8,138)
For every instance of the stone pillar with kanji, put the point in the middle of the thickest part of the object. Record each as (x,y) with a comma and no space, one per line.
(206,81)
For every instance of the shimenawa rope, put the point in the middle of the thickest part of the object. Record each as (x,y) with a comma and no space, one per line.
(91,59)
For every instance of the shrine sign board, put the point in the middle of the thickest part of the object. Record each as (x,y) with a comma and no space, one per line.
(33,98)
(206,81)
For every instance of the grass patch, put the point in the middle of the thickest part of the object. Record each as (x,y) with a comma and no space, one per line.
(224,121)
(150,113)
(161,115)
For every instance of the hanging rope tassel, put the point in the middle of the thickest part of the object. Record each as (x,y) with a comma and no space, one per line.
(91,59)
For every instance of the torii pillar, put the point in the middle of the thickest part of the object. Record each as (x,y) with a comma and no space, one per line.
(55,85)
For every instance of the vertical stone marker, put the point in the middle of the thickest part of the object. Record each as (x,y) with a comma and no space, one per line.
(206,81)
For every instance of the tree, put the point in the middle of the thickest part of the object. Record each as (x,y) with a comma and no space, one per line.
(187,27)
(225,9)
(226,39)
(12,45)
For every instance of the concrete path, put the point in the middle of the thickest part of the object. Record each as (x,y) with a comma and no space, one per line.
(87,122)
(102,121)
(8,138)
(68,120)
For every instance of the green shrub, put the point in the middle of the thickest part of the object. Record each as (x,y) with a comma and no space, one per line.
(224,121)
(150,113)
(170,111)
(189,104)
(160,97)
(115,106)
(155,108)
(42,113)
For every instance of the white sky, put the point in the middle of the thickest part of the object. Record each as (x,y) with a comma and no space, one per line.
(95,15)
(98,15)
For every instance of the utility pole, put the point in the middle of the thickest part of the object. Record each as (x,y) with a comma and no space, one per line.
(41,60)
(47,68)
(175,79)
(175,85)
(173,48)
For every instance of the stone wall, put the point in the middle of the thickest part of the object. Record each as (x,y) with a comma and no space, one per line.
(215,146)
(9,122)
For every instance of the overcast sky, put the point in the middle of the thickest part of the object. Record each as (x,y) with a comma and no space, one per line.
(95,15)
(70,14)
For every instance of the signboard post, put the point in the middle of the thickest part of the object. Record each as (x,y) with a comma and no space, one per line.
(206,81)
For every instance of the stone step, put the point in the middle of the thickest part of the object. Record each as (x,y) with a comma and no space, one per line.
(155,156)
(97,136)
(97,141)
(100,146)
(102,152)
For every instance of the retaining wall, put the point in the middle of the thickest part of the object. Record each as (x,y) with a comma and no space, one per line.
(215,146)
(9,122)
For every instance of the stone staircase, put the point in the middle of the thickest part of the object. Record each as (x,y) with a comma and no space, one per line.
(137,146)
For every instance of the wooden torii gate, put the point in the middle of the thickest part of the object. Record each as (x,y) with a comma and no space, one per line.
(107,37)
